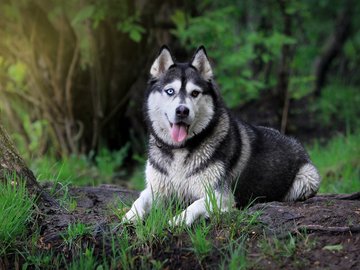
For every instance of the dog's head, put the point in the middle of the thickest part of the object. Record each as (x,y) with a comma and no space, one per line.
(181,97)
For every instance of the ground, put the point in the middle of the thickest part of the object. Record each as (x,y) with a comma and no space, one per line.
(332,225)
(320,233)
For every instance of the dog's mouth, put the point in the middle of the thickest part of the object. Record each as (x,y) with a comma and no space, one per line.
(179,131)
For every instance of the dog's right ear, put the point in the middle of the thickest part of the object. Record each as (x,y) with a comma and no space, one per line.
(162,62)
(201,62)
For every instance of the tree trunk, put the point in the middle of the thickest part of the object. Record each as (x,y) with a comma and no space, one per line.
(332,48)
(284,67)
(12,165)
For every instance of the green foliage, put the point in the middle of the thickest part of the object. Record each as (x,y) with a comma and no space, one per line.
(137,180)
(214,205)
(132,27)
(233,74)
(122,252)
(81,170)
(18,72)
(72,169)
(107,161)
(338,247)
(154,227)
(241,222)
(338,163)
(34,132)
(278,249)
(74,233)
(85,13)
(86,261)
(235,48)
(125,256)
(340,103)
(236,258)
(42,260)
(126,22)
(198,236)
(245,40)
(16,208)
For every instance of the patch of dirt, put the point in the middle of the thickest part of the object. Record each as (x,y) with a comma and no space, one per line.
(329,226)
(93,208)
(325,230)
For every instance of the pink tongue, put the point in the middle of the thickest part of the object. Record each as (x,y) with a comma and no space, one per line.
(178,132)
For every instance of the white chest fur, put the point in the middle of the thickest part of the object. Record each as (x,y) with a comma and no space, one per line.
(180,179)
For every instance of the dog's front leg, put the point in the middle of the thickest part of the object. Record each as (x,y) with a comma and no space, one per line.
(201,207)
(141,206)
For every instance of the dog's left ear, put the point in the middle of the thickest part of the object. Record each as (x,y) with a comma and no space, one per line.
(201,62)
(162,62)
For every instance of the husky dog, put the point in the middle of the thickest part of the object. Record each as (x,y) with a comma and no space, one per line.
(196,144)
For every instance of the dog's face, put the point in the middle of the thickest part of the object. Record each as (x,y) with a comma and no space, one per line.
(180,101)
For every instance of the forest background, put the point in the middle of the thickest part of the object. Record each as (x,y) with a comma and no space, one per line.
(73,76)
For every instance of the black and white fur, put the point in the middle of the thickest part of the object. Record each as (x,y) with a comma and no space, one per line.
(239,161)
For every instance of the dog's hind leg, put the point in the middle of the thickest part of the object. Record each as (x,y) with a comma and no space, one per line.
(305,185)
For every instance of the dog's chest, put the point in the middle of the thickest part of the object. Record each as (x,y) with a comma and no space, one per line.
(180,177)
(178,168)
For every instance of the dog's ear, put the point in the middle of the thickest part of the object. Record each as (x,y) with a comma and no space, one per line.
(162,62)
(201,62)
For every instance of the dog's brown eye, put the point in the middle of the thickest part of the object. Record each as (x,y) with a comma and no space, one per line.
(195,93)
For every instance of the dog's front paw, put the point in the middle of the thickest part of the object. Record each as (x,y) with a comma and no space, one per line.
(185,218)
(129,217)
(178,220)
(132,216)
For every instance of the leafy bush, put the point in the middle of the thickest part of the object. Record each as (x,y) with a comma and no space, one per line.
(341,103)
(245,56)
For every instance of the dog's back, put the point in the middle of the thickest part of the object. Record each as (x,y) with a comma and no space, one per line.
(274,165)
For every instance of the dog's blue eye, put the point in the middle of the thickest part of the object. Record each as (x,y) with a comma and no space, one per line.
(170,91)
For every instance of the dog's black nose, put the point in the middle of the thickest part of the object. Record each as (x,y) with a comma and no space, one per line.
(182,111)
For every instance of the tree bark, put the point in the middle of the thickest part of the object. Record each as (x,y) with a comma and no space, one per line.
(284,67)
(332,48)
(13,167)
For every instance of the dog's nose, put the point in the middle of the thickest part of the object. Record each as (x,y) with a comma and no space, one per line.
(182,111)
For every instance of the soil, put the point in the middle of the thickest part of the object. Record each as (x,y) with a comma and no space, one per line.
(326,229)
(329,222)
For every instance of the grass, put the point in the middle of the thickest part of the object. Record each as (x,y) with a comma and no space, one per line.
(338,163)
(81,170)
(155,230)
(235,257)
(42,260)
(278,249)
(121,250)
(85,261)
(339,160)
(16,208)
(74,232)
(156,225)
(60,190)
(198,235)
